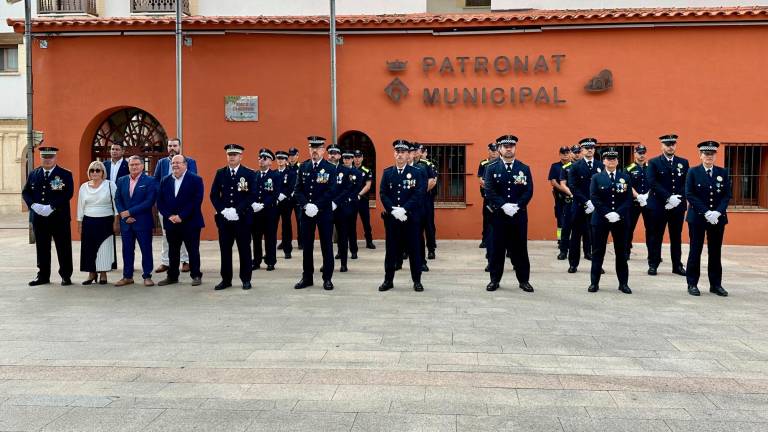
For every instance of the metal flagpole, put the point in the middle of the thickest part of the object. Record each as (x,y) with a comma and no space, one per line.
(30,90)
(333,71)
(179,41)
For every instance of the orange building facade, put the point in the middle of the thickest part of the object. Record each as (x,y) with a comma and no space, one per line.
(469,78)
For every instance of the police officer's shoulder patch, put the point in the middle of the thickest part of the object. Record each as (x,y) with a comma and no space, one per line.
(631,166)
(365,169)
(484,162)
(568,164)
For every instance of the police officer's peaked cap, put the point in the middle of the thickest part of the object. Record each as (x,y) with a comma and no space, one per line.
(267,153)
(401,144)
(280,154)
(668,139)
(233,148)
(506,140)
(708,146)
(333,148)
(609,153)
(316,141)
(588,143)
(48,151)
(640,149)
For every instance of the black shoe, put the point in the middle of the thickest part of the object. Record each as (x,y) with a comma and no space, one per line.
(167,281)
(628,257)
(270,267)
(572,269)
(327,285)
(525,286)
(398,267)
(405,256)
(418,287)
(287,255)
(66,282)
(353,256)
(593,288)
(719,291)
(197,281)
(602,271)
(694,290)
(303,283)
(625,289)
(482,245)
(386,286)
(492,286)
(588,256)
(246,285)
(343,269)
(679,270)
(222,285)
(562,256)
(424,267)
(255,266)
(89,281)
(487,268)
(370,245)
(337,257)
(299,247)
(652,271)
(280,246)
(431,255)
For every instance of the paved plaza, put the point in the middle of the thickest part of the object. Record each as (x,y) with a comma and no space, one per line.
(453,358)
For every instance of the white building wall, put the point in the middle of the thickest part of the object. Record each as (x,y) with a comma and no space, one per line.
(499,5)
(309,7)
(12,85)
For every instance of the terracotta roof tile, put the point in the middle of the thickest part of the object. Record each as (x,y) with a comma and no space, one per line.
(425,20)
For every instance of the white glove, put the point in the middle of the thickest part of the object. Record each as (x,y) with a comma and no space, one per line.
(590,207)
(712,216)
(37,208)
(612,217)
(334,206)
(674,201)
(510,209)
(398,213)
(257,207)
(642,199)
(230,214)
(281,197)
(311,210)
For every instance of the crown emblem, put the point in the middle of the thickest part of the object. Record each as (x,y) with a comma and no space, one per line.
(397,65)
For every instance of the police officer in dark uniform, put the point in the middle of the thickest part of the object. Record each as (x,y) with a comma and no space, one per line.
(363,205)
(315,193)
(493,155)
(558,193)
(293,164)
(509,189)
(708,190)
(286,204)
(343,184)
(402,189)
(579,180)
(232,194)
(610,192)
(640,188)
(267,191)
(47,193)
(565,233)
(429,205)
(666,178)
(349,205)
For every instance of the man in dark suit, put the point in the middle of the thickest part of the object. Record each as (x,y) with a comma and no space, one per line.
(264,225)
(640,190)
(666,178)
(47,193)
(293,165)
(232,194)
(579,179)
(286,204)
(402,190)
(508,190)
(179,201)
(429,231)
(162,169)
(116,165)
(611,193)
(558,192)
(135,196)
(565,233)
(708,190)
(363,202)
(348,179)
(493,155)
(315,193)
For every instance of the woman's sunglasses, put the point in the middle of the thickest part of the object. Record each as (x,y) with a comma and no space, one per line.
(94,170)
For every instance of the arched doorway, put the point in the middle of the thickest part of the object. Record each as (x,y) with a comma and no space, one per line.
(356,140)
(138,131)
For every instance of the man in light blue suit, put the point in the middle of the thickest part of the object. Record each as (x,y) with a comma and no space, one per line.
(136,194)
(162,170)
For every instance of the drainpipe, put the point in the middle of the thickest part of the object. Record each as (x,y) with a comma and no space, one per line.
(333,71)
(30,118)
(179,41)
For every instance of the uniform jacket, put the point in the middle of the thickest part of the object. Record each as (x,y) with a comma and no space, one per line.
(706,193)
(122,171)
(666,180)
(610,196)
(140,204)
(316,185)
(431,171)
(287,179)
(267,188)
(237,193)
(56,192)
(355,179)
(367,175)
(163,167)
(580,179)
(508,186)
(186,204)
(638,175)
(406,190)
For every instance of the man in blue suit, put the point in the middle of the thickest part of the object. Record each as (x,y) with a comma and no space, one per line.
(136,194)
(579,179)
(708,190)
(179,201)
(116,165)
(162,169)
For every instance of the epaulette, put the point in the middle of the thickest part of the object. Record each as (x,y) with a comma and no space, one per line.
(365,169)
(630,166)
(484,162)
(568,164)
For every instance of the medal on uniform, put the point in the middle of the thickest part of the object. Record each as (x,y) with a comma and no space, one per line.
(57,184)
(242,185)
(340,178)
(719,178)
(408,175)
(621,180)
(268,185)
(598,169)
(679,166)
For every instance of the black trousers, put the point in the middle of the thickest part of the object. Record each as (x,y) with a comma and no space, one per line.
(231,232)
(635,213)
(298,212)
(618,231)
(343,220)
(565,230)
(59,231)
(510,233)
(264,226)
(364,210)
(487,218)
(285,214)
(559,206)
(397,235)
(323,222)
(580,233)
(661,219)
(429,223)
(178,234)
(714,234)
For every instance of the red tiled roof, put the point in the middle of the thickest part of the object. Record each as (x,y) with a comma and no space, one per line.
(419,21)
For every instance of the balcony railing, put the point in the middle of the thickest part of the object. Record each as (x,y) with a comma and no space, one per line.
(66,7)
(158,6)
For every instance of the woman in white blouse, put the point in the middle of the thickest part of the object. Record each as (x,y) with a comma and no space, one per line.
(97,222)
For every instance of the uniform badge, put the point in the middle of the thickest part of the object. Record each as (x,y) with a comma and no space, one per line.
(242,185)
(268,185)
(408,175)
(57,184)
(719,178)
(598,169)
(679,166)
(622,181)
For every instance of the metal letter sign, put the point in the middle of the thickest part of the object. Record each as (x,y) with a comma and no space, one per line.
(241,108)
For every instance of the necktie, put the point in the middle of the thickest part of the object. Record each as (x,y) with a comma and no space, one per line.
(233,173)
(509,167)
(612,177)
(47,174)
(314,165)
(400,171)
(671,163)
(589,164)
(709,172)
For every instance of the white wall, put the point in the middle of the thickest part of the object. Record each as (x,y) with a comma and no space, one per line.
(13,102)
(307,7)
(610,4)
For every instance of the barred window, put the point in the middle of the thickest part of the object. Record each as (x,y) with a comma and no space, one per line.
(747,165)
(9,59)
(626,151)
(451,162)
